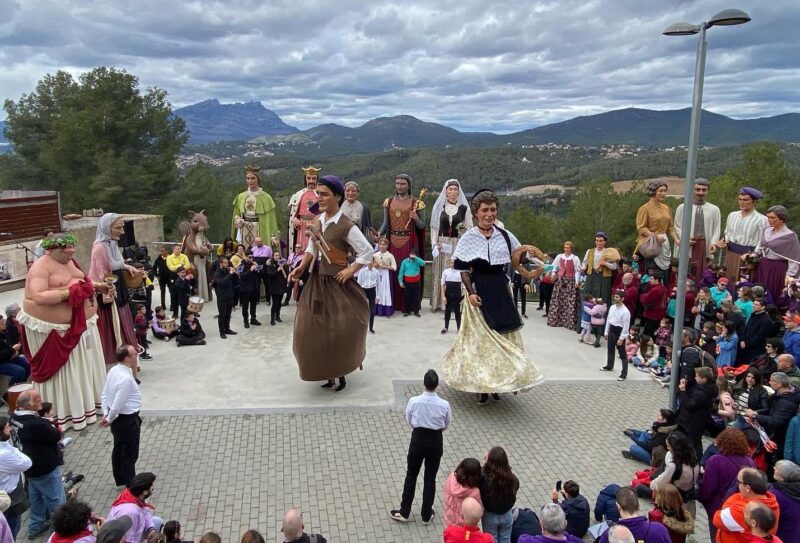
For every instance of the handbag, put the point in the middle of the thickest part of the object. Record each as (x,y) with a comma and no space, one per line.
(651,246)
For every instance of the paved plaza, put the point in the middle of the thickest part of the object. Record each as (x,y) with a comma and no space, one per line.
(236,438)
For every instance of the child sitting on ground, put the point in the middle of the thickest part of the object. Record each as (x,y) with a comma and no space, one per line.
(586,317)
(191,332)
(632,345)
(157,322)
(644,360)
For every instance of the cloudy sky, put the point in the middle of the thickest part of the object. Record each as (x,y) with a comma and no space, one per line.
(472,64)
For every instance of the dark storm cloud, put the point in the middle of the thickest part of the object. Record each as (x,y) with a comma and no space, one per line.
(503,65)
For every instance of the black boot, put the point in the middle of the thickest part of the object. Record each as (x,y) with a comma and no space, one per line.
(342,383)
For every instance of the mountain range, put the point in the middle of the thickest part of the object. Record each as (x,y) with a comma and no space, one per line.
(211,121)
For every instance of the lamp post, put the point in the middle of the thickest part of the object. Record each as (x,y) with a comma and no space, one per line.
(726,17)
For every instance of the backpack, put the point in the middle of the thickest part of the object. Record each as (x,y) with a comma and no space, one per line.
(706,359)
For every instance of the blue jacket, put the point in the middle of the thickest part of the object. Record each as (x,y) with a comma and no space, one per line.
(727,350)
(606,504)
(791,449)
(791,343)
(577,512)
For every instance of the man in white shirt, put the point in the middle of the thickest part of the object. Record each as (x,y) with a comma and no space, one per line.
(617,323)
(121,402)
(367,278)
(429,415)
(13,463)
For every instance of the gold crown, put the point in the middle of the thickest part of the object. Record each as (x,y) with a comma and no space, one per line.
(252,169)
(311,170)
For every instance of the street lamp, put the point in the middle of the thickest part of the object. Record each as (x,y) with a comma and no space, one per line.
(726,17)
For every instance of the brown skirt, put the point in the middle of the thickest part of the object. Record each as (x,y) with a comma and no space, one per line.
(330,328)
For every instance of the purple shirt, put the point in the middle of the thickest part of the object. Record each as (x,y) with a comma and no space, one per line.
(264,250)
(142,520)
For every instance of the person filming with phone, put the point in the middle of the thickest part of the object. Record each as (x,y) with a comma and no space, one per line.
(575,506)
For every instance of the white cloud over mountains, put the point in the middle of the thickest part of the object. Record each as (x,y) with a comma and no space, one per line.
(502,66)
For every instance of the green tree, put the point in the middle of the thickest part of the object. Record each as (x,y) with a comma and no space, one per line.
(98,140)
(539,229)
(200,189)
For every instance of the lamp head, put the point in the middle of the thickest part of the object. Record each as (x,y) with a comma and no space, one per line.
(729,17)
(681,29)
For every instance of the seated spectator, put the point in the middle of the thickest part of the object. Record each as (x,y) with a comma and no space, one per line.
(252,536)
(644,441)
(554,527)
(113,531)
(191,332)
(463,483)
(719,292)
(156,325)
(761,521)
(576,508)
(729,520)
(72,523)
(12,363)
(781,407)
(172,531)
(293,529)
(726,406)
(721,469)
(768,363)
(788,365)
(132,503)
(210,537)
(620,534)
(681,469)
(605,506)
(671,512)
(786,490)
(706,338)
(640,527)
(525,521)
(467,531)
(751,396)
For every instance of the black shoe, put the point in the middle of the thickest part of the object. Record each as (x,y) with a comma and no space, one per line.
(429,519)
(417,315)
(628,455)
(284,304)
(138,382)
(496,396)
(201,342)
(329,384)
(483,399)
(231,332)
(606,368)
(444,331)
(372,331)
(247,325)
(621,378)
(629,432)
(272,322)
(76,479)
(223,336)
(405,314)
(342,384)
(67,476)
(278,319)
(255,322)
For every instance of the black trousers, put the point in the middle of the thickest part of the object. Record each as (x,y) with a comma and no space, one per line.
(614,335)
(164,286)
(186,340)
(426,446)
(452,305)
(370,293)
(264,278)
(519,290)
(275,308)
(126,430)
(545,295)
(249,301)
(412,297)
(224,308)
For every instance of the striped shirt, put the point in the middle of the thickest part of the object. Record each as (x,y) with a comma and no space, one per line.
(745,230)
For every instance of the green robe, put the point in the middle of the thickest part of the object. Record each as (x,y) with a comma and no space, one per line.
(265,209)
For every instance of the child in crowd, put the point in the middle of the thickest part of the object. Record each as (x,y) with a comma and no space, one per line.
(719,292)
(672,513)
(632,344)
(727,343)
(181,289)
(663,372)
(586,317)
(707,338)
(791,338)
(409,275)
(156,325)
(191,332)
(141,326)
(644,441)
(644,360)
(744,302)
(663,336)
(384,263)
(727,405)
(598,320)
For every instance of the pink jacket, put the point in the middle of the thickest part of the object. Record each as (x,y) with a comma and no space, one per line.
(454,494)
(598,313)
(631,348)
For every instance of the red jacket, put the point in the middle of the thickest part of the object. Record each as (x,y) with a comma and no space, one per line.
(729,520)
(631,298)
(466,534)
(654,302)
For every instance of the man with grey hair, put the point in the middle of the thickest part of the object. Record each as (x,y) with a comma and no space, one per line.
(554,527)
(704,228)
(620,534)
(786,490)
(788,365)
(293,529)
(781,407)
(12,332)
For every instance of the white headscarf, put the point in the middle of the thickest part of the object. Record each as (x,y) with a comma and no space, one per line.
(438,207)
(103,236)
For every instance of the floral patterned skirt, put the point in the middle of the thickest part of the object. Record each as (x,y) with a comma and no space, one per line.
(482,360)
(565,304)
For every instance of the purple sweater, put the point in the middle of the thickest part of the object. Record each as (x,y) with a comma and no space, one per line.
(720,476)
(788,496)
